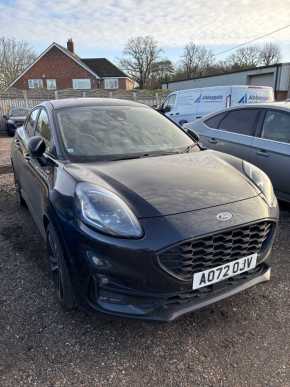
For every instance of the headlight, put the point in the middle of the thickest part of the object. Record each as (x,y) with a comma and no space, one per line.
(262,181)
(106,211)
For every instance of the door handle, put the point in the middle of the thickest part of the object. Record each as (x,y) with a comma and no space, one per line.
(262,152)
(177,114)
(213,141)
(17,143)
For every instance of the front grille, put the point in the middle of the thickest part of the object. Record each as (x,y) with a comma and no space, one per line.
(196,255)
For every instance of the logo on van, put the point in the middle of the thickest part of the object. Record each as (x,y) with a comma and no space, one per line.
(258,98)
(253,98)
(244,99)
(209,98)
(198,99)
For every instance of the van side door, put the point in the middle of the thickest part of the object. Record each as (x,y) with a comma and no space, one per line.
(212,99)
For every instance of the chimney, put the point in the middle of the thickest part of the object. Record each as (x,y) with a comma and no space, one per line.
(70,45)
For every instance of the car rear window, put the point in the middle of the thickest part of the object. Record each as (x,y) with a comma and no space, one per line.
(276,126)
(241,121)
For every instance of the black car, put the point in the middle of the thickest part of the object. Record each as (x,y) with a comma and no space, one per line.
(15,118)
(139,220)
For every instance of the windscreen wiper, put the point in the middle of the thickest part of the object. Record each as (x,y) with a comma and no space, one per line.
(189,148)
(143,155)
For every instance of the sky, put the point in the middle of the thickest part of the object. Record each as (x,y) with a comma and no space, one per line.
(101,28)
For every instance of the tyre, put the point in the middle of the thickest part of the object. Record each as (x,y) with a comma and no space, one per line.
(10,131)
(59,269)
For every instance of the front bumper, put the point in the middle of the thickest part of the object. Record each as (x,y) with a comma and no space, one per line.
(173,305)
(123,277)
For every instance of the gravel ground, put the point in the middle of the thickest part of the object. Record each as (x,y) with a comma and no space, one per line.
(5,144)
(242,341)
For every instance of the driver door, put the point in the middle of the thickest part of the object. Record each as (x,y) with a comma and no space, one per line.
(38,172)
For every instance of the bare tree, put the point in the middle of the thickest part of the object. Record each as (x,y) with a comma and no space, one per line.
(161,72)
(196,60)
(140,54)
(15,56)
(245,57)
(270,53)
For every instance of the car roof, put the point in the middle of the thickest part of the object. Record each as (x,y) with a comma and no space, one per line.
(78,102)
(276,104)
(283,105)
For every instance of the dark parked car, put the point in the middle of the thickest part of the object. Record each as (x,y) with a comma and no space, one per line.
(258,133)
(139,221)
(15,118)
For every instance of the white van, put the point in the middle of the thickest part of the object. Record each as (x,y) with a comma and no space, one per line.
(187,105)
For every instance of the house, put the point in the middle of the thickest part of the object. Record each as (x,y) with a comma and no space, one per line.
(60,68)
(277,76)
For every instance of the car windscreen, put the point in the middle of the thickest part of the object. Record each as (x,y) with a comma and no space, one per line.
(18,112)
(109,132)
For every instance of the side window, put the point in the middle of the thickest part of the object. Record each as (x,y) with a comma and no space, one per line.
(43,129)
(214,121)
(30,123)
(241,121)
(170,101)
(276,126)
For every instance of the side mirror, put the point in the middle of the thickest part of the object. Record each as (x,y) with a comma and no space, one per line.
(166,109)
(163,110)
(192,134)
(5,117)
(36,146)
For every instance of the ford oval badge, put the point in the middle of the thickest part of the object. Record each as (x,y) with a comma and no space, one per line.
(224,216)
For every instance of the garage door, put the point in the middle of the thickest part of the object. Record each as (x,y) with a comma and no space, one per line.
(262,80)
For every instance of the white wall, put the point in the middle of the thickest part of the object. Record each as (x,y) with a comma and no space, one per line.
(238,78)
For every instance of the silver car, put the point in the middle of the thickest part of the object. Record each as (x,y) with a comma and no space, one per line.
(257,133)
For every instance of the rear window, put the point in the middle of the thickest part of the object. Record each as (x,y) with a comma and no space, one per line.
(214,121)
(240,121)
(276,126)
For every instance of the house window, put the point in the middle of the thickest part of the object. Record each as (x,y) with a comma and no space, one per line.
(82,84)
(111,83)
(51,84)
(35,83)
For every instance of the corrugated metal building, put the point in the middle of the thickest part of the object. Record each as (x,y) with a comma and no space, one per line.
(276,76)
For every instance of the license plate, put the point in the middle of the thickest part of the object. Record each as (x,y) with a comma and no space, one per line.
(219,273)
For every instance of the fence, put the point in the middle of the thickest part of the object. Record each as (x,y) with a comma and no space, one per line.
(30,98)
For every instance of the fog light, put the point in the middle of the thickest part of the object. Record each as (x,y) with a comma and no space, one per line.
(97,261)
